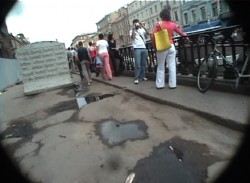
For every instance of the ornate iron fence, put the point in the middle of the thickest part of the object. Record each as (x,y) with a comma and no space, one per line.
(190,54)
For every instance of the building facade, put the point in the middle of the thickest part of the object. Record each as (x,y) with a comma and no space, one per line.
(85,38)
(120,28)
(202,15)
(191,15)
(9,43)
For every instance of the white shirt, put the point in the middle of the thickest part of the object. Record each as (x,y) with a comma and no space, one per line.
(140,40)
(102,46)
(73,52)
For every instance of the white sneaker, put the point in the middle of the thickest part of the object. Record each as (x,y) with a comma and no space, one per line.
(136,81)
(88,83)
(144,79)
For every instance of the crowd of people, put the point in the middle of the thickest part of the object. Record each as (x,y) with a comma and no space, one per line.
(103,56)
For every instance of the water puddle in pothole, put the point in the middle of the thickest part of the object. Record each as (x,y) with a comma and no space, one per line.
(114,133)
(175,161)
(17,129)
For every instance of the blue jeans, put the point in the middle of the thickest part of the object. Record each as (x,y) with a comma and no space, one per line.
(140,55)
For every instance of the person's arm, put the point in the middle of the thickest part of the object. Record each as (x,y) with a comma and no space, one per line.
(97,48)
(179,30)
(155,29)
(77,58)
(147,32)
(89,55)
(132,33)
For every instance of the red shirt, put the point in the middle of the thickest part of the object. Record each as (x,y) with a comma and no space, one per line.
(92,51)
(171,27)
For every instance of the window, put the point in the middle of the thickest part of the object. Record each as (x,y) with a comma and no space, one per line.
(140,3)
(146,12)
(157,19)
(214,9)
(203,13)
(142,15)
(174,1)
(176,16)
(185,18)
(193,15)
(153,22)
(155,8)
(161,5)
(151,11)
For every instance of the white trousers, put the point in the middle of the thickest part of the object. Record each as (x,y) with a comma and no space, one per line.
(168,56)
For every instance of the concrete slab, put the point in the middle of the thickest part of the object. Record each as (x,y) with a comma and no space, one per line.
(44,66)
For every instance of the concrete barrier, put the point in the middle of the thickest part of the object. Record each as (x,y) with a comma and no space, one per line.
(10,72)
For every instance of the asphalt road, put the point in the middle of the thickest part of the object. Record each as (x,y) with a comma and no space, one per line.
(53,141)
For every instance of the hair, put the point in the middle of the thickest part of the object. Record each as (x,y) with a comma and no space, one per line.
(165,13)
(110,36)
(80,43)
(100,36)
(90,43)
(68,48)
(135,21)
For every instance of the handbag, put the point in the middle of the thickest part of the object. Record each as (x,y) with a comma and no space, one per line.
(162,41)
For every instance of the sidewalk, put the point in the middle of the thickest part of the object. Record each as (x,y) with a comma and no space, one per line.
(228,109)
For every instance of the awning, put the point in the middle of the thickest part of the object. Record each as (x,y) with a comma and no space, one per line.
(204,26)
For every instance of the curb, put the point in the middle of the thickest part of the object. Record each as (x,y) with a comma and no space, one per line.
(214,118)
(232,124)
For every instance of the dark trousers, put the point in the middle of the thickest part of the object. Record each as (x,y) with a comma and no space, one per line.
(80,69)
(115,60)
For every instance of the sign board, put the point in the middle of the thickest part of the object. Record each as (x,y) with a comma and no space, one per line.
(44,66)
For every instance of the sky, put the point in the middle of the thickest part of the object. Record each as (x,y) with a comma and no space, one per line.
(61,20)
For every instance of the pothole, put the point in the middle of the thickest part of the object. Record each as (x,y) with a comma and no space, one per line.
(18,128)
(114,133)
(175,161)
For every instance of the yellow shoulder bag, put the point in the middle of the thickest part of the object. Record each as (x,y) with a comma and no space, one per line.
(162,40)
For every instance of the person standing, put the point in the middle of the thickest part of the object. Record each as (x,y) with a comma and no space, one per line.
(84,57)
(102,52)
(73,51)
(70,58)
(112,54)
(138,35)
(167,55)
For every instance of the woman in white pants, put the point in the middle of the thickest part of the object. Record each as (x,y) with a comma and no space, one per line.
(167,55)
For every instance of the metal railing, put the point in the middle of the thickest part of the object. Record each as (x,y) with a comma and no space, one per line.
(190,54)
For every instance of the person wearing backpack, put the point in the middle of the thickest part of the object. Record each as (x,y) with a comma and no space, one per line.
(168,55)
(84,57)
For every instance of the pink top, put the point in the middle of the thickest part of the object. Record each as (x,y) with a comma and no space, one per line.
(171,27)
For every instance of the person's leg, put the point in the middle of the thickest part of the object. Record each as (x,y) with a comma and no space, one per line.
(117,68)
(80,69)
(103,70)
(84,71)
(107,66)
(160,74)
(144,57)
(112,62)
(87,64)
(137,57)
(171,67)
